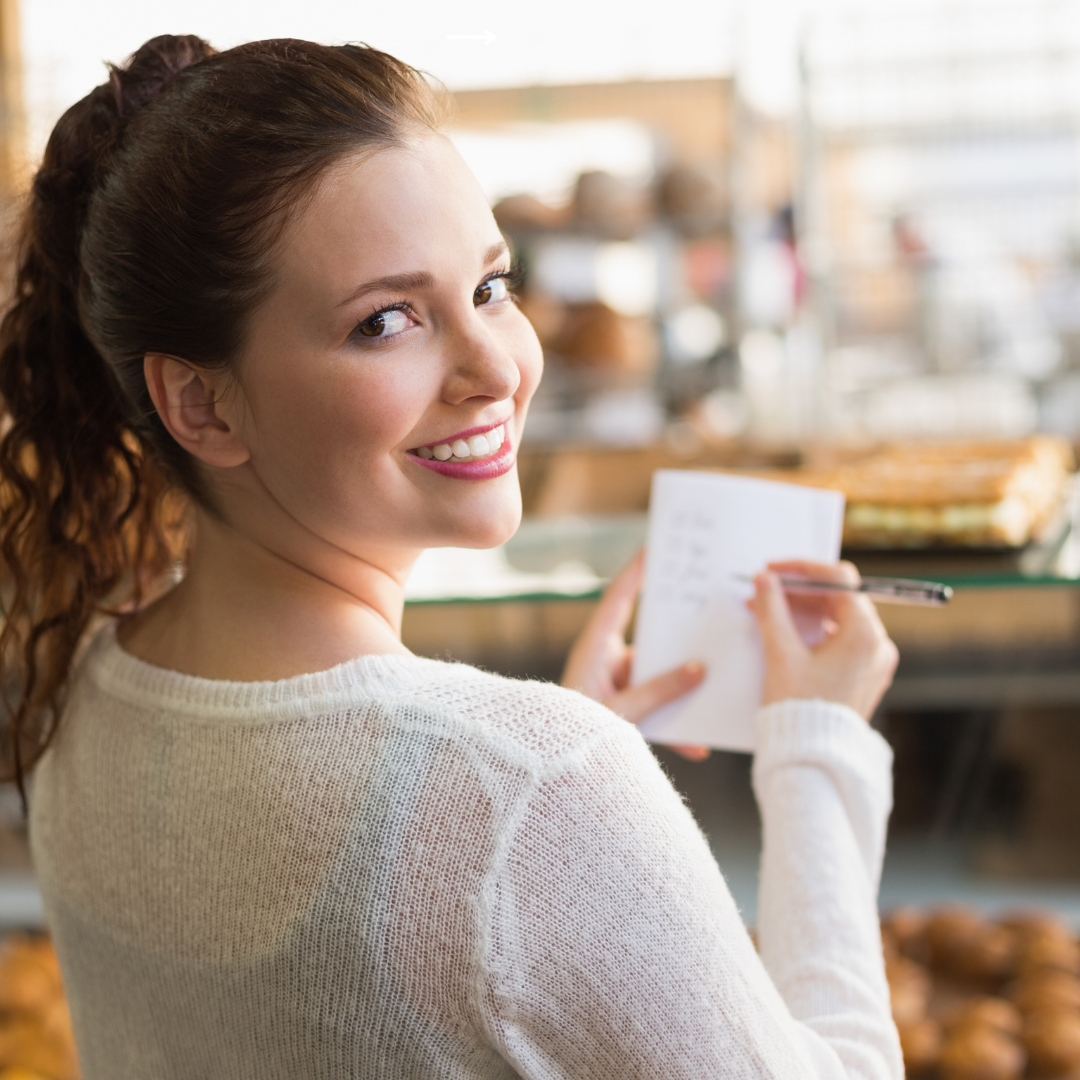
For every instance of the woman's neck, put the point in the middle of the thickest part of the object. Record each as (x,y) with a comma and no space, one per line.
(250,612)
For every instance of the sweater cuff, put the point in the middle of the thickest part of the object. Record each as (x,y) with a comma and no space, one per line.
(824,733)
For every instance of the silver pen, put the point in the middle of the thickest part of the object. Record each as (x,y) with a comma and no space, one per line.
(890,590)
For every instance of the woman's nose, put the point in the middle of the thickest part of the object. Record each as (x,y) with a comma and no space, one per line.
(481,364)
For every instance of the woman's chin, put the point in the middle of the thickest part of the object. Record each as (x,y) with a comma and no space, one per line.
(487,527)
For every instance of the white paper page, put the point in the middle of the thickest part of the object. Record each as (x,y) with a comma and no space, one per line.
(705,530)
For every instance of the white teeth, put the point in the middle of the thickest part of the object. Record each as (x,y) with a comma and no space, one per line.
(478,446)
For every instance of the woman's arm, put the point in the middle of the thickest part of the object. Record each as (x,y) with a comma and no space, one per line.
(613,948)
(823,781)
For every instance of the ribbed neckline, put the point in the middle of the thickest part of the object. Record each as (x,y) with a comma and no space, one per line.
(118,672)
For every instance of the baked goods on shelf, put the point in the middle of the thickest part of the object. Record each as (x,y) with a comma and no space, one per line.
(527,212)
(975,999)
(610,206)
(596,337)
(981,1053)
(959,494)
(36,1041)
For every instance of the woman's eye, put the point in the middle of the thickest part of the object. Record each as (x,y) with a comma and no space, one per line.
(491,291)
(384,324)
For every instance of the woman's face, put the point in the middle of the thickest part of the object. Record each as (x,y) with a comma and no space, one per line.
(386,379)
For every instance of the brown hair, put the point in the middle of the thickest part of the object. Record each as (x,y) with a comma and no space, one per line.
(150,228)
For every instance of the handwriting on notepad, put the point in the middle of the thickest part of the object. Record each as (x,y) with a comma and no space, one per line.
(706,531)
(685,570)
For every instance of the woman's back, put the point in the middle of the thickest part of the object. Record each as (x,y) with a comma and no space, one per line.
(404,868)
(248,881)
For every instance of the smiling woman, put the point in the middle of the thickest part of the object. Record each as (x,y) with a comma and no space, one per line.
(271,842)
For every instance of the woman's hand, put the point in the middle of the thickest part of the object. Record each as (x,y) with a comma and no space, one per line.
(854,662)
(599,663)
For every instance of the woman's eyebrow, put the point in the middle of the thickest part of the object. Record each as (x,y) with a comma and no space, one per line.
(496,251)
(416,281)
(392,283)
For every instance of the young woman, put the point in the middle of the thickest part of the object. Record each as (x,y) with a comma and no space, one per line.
(272,842)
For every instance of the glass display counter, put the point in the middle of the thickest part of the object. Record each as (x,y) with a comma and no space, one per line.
(552,559)
(1009,638)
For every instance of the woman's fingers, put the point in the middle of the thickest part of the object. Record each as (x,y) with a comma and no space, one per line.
(832,605)
(612,614)
(851,662)
(597,664)
(842,572)
(637,702)
(778,631)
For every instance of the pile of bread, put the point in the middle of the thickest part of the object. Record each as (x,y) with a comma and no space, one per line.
(986,493)
(36,1042)
(984,1000)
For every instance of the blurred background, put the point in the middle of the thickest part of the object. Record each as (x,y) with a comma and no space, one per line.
(831,240)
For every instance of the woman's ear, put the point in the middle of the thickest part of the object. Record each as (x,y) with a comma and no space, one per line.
(195,411)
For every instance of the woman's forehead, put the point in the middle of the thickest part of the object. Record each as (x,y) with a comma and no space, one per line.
(379,212)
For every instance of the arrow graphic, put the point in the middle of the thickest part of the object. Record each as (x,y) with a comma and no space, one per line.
(487,37)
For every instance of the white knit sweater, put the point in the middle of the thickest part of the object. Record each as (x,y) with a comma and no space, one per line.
(401,868)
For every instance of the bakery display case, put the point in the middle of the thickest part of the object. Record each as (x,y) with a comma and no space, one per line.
(998,522)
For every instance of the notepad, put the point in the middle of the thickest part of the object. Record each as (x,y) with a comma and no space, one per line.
(706,531)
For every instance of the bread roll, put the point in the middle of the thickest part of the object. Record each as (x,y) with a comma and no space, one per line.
(1045,990)
(1049,949)
(907,927)
(988,955)
(949,932)
(1052,1040)
(23,1043)
(1036,921)
(992,1012)
(29,977)
(981,1053)
(909,990)
(921,1044)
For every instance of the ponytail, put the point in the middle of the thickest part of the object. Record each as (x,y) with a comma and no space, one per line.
(86,521)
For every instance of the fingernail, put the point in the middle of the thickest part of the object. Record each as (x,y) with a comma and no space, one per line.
(694,669)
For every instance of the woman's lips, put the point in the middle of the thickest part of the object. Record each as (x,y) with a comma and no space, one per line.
(474,443)
(486,468)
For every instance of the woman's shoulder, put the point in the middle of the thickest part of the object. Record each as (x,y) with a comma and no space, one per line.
(530,716)
(523,717)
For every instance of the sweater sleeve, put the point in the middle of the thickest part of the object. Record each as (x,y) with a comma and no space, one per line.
(613,949)
(823,780)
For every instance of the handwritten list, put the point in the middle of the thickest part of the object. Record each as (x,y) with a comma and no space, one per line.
(707,533)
